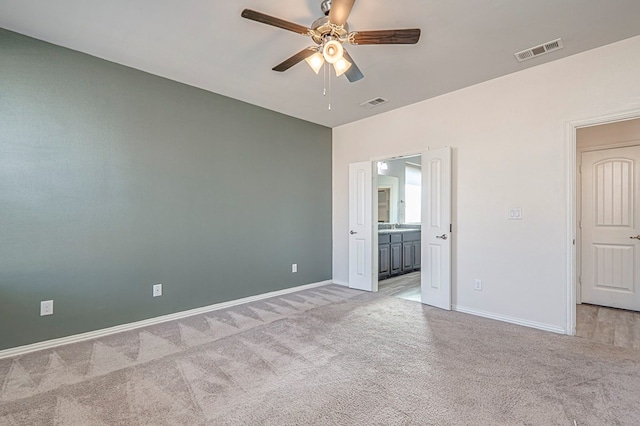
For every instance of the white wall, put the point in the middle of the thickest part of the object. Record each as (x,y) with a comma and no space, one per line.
(510,150)
(609,134)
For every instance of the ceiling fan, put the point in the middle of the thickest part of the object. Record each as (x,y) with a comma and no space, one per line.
(329,33)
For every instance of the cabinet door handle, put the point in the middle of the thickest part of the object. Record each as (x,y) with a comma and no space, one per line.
(352,232)
(443,236)
(636,237)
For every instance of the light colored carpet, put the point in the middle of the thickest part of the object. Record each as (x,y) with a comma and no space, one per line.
(325,356)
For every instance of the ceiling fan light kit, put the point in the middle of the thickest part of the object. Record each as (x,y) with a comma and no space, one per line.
(332,51)
(341,66)
(329,33)
(316,61)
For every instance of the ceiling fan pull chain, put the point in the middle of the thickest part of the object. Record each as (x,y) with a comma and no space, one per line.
(329,89)
(324,79)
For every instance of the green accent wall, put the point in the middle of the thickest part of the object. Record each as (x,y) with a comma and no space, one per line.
(112,180)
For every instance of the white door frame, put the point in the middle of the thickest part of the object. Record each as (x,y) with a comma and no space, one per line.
(571,128)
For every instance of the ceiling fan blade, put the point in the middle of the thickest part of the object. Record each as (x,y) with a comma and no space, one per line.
(276,22)
(340,10)
(353,74)
(407,36)
(298,57)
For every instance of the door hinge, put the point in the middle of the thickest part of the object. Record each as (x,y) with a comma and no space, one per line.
(450,228)
(579,224)
(579,279)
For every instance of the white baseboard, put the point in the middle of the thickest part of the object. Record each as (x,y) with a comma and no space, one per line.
(512,320)
(342,283)
(48,344)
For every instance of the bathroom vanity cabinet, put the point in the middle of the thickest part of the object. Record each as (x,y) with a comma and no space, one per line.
(398,252)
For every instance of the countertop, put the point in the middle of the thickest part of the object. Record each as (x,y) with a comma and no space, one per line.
(397,230)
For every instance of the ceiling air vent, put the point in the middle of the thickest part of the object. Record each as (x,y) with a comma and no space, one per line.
(539,50)
(374,102)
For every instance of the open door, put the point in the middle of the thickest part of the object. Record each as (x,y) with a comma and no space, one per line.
(436,228)
(610,227)
(360,226)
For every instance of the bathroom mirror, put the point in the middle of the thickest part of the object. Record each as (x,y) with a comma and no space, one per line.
(388,188)
(399,189)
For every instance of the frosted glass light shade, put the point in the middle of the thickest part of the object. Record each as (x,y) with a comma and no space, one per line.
(333,51)
(315,61)
(341,66)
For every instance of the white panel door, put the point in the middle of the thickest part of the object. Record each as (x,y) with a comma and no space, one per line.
(610,228)
(436,228)
(360,226)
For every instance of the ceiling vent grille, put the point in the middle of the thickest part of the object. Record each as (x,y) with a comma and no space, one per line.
(374,102)
(539,50)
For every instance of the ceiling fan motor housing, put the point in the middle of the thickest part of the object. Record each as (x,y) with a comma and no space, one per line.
(323,29)
(325,6)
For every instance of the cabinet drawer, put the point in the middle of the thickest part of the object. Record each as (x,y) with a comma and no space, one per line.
(396,238)
(384,238)
(411,236)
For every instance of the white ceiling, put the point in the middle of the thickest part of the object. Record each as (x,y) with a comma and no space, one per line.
(208,45)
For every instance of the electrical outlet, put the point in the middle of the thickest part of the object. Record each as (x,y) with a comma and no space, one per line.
(157,290)
(477,284)
(46,307)
(294,268)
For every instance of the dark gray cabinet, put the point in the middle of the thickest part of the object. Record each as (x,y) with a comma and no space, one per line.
(398,253)
(416,255)
(384,258)
(407,257)
(411,251)
(396,258)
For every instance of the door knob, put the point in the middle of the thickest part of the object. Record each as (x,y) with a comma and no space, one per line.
(444,236)
(637,237)
(352,232)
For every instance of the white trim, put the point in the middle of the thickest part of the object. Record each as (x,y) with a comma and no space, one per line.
(571,154)
(398,156)
(342,283)
(605,147)
(512,320)
(48,344)
(570,135)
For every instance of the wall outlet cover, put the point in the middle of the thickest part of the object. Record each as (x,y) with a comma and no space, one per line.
(157,290)
(294,268)
(46,307)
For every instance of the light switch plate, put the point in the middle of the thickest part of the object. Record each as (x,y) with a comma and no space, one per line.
(515,213)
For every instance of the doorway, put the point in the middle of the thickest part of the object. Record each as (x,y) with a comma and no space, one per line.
(399,223)
(430,251)
(606,246)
